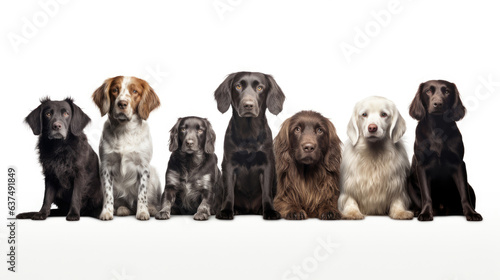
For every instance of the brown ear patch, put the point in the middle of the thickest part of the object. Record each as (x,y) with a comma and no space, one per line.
(104,95)
(146,97)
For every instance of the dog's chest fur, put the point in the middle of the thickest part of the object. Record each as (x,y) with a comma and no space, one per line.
(191,181)
(374,178)
(124,148)
(53,155)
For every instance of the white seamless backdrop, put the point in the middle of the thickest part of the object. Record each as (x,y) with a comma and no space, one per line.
(325,55)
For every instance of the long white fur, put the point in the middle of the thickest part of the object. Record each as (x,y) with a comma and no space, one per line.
(126,150)
(374,170)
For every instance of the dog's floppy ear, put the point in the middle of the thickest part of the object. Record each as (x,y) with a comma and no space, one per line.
(275,96)
(174,139)
(209,138)
(398,126)
(333,155)
(79,119)
(352,128)
(417,109)
(101,96)
(223,93)
(282,147)
(458,109)
(34,119)
(149,101)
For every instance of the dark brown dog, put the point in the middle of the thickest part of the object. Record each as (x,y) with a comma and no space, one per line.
(438,178)
(308,157)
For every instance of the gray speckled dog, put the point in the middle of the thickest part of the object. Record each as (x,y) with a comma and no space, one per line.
(192,173)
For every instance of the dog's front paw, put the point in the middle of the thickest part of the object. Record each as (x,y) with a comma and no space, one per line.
(425,217)
(402,215)
(296,215)
(40,216)
(142,216)
(201,216)
(352,214)
(271,214)
(473,217)
(162,215)
(106,215)
(73,217)
(330,215)
(225,214)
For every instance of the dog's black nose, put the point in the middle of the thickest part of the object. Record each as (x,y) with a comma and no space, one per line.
(438,105)
(248,105)
(372,128)
(189,143)
(57,126)
(308,147)
(122,104)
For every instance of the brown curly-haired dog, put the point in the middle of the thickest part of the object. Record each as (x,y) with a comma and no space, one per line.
(308,155)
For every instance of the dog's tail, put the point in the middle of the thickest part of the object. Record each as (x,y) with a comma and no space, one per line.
(53,213)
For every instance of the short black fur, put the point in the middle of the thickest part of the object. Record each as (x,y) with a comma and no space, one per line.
(248,166)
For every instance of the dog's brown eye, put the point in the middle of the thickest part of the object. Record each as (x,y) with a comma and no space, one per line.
(260,88)
(319,131)
(115,90)
(238,87)
(383,115)
(183,130)
(65,114)
(364,115)
(134,91)
(200,131)
(297,129)
(48,114)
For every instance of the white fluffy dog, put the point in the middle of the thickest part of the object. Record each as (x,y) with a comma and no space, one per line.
(375,165)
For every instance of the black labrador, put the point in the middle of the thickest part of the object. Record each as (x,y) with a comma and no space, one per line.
(70,165)
(248,170)
(192,172)
(438,178)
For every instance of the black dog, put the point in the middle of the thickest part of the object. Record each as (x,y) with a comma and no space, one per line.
(248,171)
(192,172)
(70,166)
(438,180)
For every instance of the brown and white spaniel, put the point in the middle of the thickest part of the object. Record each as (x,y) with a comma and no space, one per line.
(130,184)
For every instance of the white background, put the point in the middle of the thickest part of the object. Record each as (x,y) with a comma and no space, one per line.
(184,49)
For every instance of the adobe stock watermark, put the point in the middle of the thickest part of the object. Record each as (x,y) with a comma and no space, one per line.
(483,91)
(324,250)
(363,36)
(31,26)
(222,7)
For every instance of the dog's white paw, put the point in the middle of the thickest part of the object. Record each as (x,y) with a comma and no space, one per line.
(352,214)
(106,215)
(402,215)
(142,215)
